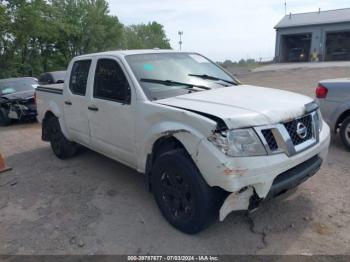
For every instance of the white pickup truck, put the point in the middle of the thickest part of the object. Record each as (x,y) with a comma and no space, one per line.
(208,144)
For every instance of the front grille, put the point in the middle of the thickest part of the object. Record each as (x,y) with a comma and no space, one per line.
(290,137)
(270,139)
(292,129)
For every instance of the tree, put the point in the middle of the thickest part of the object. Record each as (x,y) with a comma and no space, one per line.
(4,42)
(85,27)
(151,35)
(228,63)
(43,35)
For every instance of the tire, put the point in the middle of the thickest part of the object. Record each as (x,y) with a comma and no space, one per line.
(61,146)
(182,195)
(345,132)
(4,119)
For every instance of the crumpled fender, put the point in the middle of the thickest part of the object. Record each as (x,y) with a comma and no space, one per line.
(187,136)
(187,127)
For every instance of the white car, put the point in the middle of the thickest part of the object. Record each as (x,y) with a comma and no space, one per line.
(207,144)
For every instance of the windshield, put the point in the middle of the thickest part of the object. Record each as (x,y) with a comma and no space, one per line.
(10,86)
(156,72)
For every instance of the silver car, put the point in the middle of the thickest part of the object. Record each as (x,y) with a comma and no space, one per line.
(333,96)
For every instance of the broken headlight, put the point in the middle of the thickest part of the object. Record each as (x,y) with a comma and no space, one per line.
(238,143)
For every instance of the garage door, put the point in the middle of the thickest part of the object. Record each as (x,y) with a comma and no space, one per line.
(296,48)
(338,46)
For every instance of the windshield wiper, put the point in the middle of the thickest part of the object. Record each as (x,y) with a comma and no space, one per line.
(213,78)
(172,83)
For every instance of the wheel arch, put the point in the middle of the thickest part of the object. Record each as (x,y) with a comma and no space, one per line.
(170,140)
(341,119)
(45,134)
(45,131)
(161,145)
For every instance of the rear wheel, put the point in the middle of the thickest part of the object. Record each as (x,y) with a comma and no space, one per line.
(345,132)
(4,119)
(182,195)
(61,146)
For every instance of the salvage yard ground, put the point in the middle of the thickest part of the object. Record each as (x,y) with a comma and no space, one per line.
(93,205)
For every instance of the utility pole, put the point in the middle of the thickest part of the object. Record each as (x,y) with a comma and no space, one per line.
(285,7)
(180,35)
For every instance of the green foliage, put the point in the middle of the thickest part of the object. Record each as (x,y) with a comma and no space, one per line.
(144,36)
(43,35)
(228,63)
(249,63)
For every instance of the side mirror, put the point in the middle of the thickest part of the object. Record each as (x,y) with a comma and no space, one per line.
(128,95)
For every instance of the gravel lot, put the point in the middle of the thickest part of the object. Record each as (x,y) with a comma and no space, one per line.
(93,205)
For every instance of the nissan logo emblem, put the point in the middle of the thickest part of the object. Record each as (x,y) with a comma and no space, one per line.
(301,130)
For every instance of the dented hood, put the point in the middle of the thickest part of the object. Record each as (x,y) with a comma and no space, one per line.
(244,105)
(23,95)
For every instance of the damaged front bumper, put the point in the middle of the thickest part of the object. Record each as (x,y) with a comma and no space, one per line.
(248,199)
(19,109)
(253,179)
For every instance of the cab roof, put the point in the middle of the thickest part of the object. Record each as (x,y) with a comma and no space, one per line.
(130,52)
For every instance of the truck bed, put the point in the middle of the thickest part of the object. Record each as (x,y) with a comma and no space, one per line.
(49,98)
(55,88)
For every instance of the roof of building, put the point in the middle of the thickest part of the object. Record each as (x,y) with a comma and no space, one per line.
(315,18)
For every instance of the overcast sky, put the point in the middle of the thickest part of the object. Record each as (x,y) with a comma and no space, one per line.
(219,29)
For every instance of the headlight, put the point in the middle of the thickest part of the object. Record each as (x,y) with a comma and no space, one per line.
(238,143)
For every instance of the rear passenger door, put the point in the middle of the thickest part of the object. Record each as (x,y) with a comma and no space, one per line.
(111,112)
(76,102)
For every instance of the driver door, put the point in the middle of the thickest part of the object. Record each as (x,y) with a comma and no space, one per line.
(111,112)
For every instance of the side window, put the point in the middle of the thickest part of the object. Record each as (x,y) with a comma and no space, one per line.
(79,77)
(110,82)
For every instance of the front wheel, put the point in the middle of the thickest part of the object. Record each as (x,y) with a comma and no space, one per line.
(182,195)
(61,146)
(345,132)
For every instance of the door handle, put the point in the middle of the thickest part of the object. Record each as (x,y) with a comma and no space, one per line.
(92,108)
(68,103)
